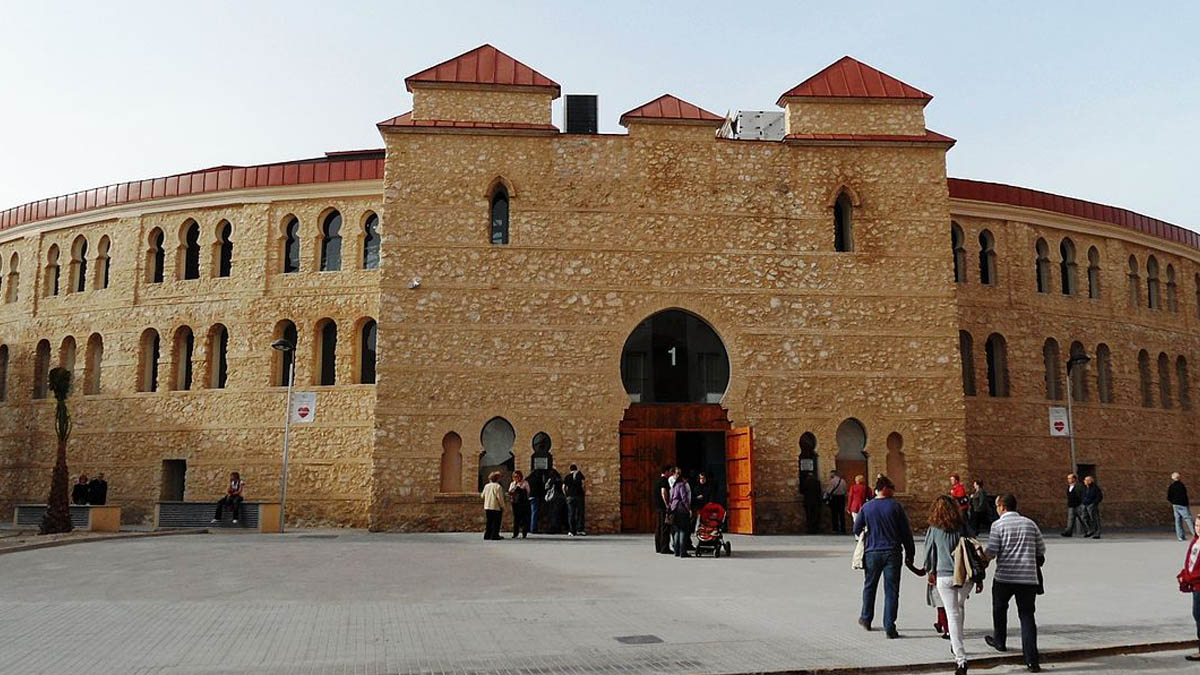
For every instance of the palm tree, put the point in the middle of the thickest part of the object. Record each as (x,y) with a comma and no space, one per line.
(58,507)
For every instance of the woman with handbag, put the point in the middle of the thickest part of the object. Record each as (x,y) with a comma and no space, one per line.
(679,509)
(946,528)
(518,492)
(1189,579)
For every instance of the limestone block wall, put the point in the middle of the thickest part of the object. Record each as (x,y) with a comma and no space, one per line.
(461,103)
(857,116)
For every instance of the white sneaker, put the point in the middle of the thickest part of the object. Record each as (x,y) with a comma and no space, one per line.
(235,522)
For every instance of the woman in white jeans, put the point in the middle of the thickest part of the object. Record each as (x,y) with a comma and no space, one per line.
(945,530)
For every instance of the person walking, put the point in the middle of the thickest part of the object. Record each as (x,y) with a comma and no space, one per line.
(661,497)
(1189,580)
(1181,513)
(493,506)
(941,540)
(812,502)
(572,486)
(1016,544)
(1074,512)
(232,498)
(518,493)
(982,511)
(856,496)
(1090,500)
(680,509)
(836,496)
(888,532)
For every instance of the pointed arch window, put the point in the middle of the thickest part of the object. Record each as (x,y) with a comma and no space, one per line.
(1079,374)
(1184,383)
(996,353)
(367,342)
(103,262)
(218,356)
(223,252)
(966,353)
(987,258)
(1144,379)
(184,348)
(331,242)
(3,372)
(325,374)
(1135,283)
(1067,267)
(79,270)
(93,361)
(41,369)
(156,257)
(1164,382)
(957,246)
(1093,273)
(1104,386)
(66,356)
(291,246)
(499,216)
(283,360)
(1053,376)
(843,224)
(189,245)
(1172,299)
(1043,266)
(50,283)
(148,357)
(370,259)
(1153,299)
(13,287)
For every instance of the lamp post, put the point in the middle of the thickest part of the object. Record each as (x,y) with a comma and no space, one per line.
(1071,363)
(286,348)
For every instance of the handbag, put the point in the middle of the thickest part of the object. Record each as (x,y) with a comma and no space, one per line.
(860,551)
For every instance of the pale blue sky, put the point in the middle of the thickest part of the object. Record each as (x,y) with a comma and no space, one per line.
(1095,100)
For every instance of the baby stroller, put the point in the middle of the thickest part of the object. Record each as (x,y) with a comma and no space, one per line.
(710,531)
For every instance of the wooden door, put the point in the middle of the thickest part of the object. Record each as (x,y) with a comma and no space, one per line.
(643,454)
(739,477)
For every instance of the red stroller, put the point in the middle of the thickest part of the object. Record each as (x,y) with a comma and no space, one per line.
(710,531)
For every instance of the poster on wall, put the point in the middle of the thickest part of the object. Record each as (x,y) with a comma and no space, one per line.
(1059,425)
(304,407)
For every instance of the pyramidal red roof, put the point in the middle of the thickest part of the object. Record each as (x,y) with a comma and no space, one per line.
(668,107)
(483,65)
(849,78)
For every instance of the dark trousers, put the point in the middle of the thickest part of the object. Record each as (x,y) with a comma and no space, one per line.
(1075,515)
(662,533)
(575,515)
(1002,592)
(812,513)
(681,536)
(1091,520)
(234,502)
(492,529)
(887,565)
(1196,611)
(533,514)
(837,513)
(520,518)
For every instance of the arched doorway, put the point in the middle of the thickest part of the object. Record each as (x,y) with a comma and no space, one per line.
(851,457)
(675,369)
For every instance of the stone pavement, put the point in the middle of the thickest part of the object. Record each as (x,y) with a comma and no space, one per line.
(358,603)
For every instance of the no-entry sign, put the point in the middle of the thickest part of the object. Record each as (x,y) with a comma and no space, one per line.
(304,406)
(1059,424)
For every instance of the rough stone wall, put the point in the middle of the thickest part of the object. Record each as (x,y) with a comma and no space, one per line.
(477,105)
(855,117)
(126,434)
(1133,447)
(607,230)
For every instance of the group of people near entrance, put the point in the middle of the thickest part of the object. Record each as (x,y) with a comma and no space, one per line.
(548,492)
(677,499)
(93,492)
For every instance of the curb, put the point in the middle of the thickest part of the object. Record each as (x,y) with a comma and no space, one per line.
(112,537)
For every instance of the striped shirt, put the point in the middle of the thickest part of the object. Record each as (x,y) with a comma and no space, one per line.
(1015,542)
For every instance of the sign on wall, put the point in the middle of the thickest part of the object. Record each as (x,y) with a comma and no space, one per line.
(304,407)
(1059,425)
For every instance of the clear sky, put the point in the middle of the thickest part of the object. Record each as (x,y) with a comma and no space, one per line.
(1097,100)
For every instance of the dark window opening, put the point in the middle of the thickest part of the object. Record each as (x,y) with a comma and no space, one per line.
(674,357)
(371,243)
(291,247)
(500,216)
(331,243)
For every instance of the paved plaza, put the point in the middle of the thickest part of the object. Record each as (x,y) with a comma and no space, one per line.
(352,602)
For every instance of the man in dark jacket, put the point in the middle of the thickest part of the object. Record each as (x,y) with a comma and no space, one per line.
(1074,502)
(98,491)
(662,493)
(812,502)
(79,493)
(1090,500)
(888,533)
(1180,513)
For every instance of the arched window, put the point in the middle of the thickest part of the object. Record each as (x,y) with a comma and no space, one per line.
(370,260)
(50,281)
(291,246)
(451,469)
(184,348)
(1153,301)
(66,357)
(958,247)
(1104,373)
(987,258)
(218,356)
(1051,362)
(966,354)
(843,224)
(1043,266)
(325,374)
(1067,266)
(283,361)
(94,359)
(1184,383)
(1135,283)
(367,335)
(103,263)
(897,464)
(851,437)
(496,438)
(1079,374)
(148,356)
(674,357)
(78,274)
(331,242)
(1172,300)
(1093,273)
(1164,381)
(499,212)
(996,353)
(223,250)
(12,289)
(41,369)
(3,372)
(1144,378)
(189,246)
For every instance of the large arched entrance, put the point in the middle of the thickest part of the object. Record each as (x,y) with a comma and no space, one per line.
(675,369)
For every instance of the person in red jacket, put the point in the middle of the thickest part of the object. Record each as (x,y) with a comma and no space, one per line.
(1189,580)
(858,495)
(958,492)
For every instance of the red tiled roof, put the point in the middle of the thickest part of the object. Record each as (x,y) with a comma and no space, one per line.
(668,107)
(483,65)
(406,120)
(360,165)
(929,137)
(849,78)
(998,193)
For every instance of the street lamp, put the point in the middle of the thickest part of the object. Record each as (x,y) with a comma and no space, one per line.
(285,347)
(1076,360)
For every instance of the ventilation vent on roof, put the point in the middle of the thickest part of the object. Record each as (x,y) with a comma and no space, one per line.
(580,114)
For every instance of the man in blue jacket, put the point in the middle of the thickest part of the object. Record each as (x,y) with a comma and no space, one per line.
(887,532)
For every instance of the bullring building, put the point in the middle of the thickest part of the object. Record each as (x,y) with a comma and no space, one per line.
(756,295)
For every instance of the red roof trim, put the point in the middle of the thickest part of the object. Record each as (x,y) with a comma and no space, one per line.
(406,120)
(668,107)
(484,65)
(850,78)
(998,193)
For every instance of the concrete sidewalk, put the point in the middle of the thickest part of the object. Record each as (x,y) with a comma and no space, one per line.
(351,602)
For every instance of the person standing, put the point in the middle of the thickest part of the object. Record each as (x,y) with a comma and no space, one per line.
(941,540)
(836,495)
(232,498)
(518,492)
(1074,502)
(856,496)
(888,532)
(98,491)
(553,502)
(980,513)
(680,508)
(1189,580)
(661,497)
(493,506)
(1090,500)
(1016,544)
(537,495)
(1181,514)
(958,492)
(812,502)
(573,492)
(79,493)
